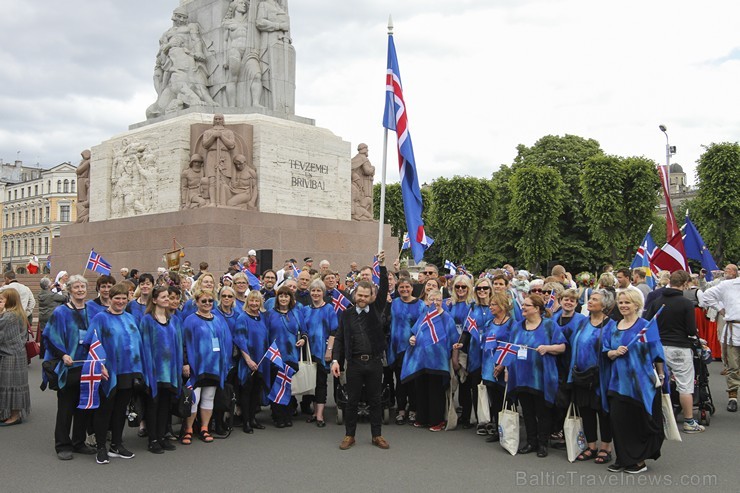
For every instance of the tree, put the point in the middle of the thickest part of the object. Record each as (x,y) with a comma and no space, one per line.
(641,197)
(536,205)
(393,209)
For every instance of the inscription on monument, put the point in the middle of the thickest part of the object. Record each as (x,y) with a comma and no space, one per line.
(303,174)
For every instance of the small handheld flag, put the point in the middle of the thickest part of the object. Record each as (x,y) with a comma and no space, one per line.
(406,242)
(339,301)
(376,271)
(650,332)
(273,354)
(98,264)
(506,353)
(471,326)
(92,374)
(295,270)
(451,267)
(281,388)
(551,300)
(490,343)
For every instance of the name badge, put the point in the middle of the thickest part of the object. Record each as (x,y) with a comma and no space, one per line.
(216,344)
(459,328)
(522,353)
(83,335)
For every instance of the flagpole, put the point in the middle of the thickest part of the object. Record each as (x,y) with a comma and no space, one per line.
(381,222)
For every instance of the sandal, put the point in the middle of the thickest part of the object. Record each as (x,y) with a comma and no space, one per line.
(187,438)
(603,457)
(205,436)
(587,454)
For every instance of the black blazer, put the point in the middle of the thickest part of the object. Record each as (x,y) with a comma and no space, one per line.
(343,340)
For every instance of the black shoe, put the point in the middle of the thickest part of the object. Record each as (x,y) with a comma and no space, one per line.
(64,455)
(84,450)
(120,451)
(732,406)
(289,423)
(636,469)
(615,467)
(527,449)
(167,445)
(247,428)
(542,451)
(493,438)
(155,448)
(142,433)
(280,425)
(320,423)
(102,456)
(256,424)
(465,425)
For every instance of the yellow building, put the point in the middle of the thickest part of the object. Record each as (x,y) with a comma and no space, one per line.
(33,211)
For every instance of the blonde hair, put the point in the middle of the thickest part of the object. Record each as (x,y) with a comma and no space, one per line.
(14,306)
(469,296)
(255,294)
(634,297)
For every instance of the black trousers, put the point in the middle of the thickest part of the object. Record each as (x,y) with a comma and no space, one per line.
(322,375)
(67,413)
(249,395)
(405,392)
(430,399)
(111,414)
(496,398)
(469,394)
(589,415)
(537,418)
(158,414)
(370,375)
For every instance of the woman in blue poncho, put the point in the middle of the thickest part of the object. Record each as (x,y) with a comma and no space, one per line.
(286,326)
(587,364)
(405,311)
(64,336)
(123,371)
(533,377)
(163,347)
(206,282)
(253,370)
(633,401)
(137,306)
(207,361)
(458,304)
(321,324)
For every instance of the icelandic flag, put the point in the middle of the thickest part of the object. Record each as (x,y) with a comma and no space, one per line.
(643,258)
(252,280)
(98,264)
(428,332)
(490,343)
(273,354)
(650,332)
(406,242)
(339,301)
(395,118)
(280,392)
(505,353)
(451,267)
(92,374)
(697,250)
(471,326)
(551,300)
(376,271)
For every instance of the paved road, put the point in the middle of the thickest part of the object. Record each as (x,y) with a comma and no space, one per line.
(307,459)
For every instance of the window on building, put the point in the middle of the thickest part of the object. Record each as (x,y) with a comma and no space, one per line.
(48,187)
(12,248)
(66,186)
(33,216)
(48,216)
(12,220)
(41,216)
(23,192)
(5,248)
(7,223)
(33,245)
(59,186)
(35,189)
(46,245)
(64,213)
(26,217)
(18,247)
(74,187)
(29,191)
(15,194)
(10,195)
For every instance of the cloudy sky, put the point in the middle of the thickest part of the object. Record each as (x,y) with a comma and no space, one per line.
(479,76)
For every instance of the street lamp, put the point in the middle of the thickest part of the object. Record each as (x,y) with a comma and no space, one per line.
(669,149)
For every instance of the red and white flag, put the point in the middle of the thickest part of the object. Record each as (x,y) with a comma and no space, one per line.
(672,256)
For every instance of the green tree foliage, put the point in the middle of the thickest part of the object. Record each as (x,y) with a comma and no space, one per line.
(641,196)
(393,209)
(536,203)
(602,183)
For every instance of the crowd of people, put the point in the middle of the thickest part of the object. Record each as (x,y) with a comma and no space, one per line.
(431,342)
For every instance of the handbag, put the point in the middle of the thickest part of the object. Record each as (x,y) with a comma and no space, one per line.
(575,439)
(183,403)
(670,428)
(304,381)
(225,399)
(508,426)
(51,379)
(484,406)
(135,411)
(33,348)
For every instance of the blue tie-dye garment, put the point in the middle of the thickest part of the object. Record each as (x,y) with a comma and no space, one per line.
(93,307)
(403,317)
(537,374)
(238,305)
(136,309)
(585,344)
(568,328)
(502,333)
(286,329)
(66,331)
(163,348)
(208,345)
(121,339)
(431,358)
(631,375)
(233,319)
(253,339)
(188,309)
(482,315)
(458,312)
(320,324)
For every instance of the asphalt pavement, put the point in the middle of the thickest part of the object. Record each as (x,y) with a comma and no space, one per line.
(307,459)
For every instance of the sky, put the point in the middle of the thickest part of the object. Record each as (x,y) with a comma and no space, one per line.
(479,76)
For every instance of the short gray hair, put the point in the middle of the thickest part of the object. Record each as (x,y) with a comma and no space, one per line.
(607,298)
(75,279)
(317,283)
(45,283)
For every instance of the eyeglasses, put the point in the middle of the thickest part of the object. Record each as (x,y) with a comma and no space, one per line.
(240,282)
(461,287)
(206,302)
(482,288)
(226,296)
(536,291)
(430,273)
(529,306)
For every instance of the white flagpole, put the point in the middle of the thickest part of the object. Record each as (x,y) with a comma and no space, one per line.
(381,219)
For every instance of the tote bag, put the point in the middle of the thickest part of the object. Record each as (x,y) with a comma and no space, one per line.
(304,382)
(508,427)
(670,428)
(575,439)
(484,406)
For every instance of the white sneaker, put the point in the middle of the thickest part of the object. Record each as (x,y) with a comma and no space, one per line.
(693,427)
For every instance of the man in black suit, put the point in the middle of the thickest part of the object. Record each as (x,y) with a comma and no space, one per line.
(361,341)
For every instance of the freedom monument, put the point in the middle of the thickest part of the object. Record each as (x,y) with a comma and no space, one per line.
(222,162)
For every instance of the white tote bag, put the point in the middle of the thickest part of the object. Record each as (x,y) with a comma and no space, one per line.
(575,439)
(484,406)
(670,428)
(508,427)
(304,382)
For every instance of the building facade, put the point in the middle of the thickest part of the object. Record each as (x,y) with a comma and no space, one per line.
(32,212)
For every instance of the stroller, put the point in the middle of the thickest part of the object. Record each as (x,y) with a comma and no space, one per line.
(363,408)
(702,356)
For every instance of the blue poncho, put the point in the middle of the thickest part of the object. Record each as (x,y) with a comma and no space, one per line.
(66,331)
(121,339)
(253,339)
(631,375)
(482,315)
(285,329)
(458,312)
(93,307)
(320,324)
(403,317)
(208,345)
(163,348)
(586,344)
(136,309)
(536,374)
(233,319)
(568,328)
(431,358)
(502,333)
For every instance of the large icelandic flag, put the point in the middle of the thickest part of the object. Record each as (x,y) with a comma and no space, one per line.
(98,264)
(429,332)
(643,258)
(92,374)
(280,392)
(396,118)
(697,250)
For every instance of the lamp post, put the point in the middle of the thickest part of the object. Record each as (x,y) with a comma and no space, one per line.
(671,226)
(669,149)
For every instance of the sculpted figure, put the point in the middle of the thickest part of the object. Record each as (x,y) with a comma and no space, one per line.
(193,184)
(244,72)
(276,54)
(242,190)
(362,185)
(83,188)
(219,143)
(133,179)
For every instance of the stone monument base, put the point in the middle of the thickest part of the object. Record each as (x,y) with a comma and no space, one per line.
(217,235)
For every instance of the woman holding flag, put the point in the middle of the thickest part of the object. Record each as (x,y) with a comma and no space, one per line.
(427,362)
(632,388)
(458,304)
(533,376)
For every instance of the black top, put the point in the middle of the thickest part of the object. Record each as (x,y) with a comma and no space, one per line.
(303,297)
(676,322)
(360,339)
